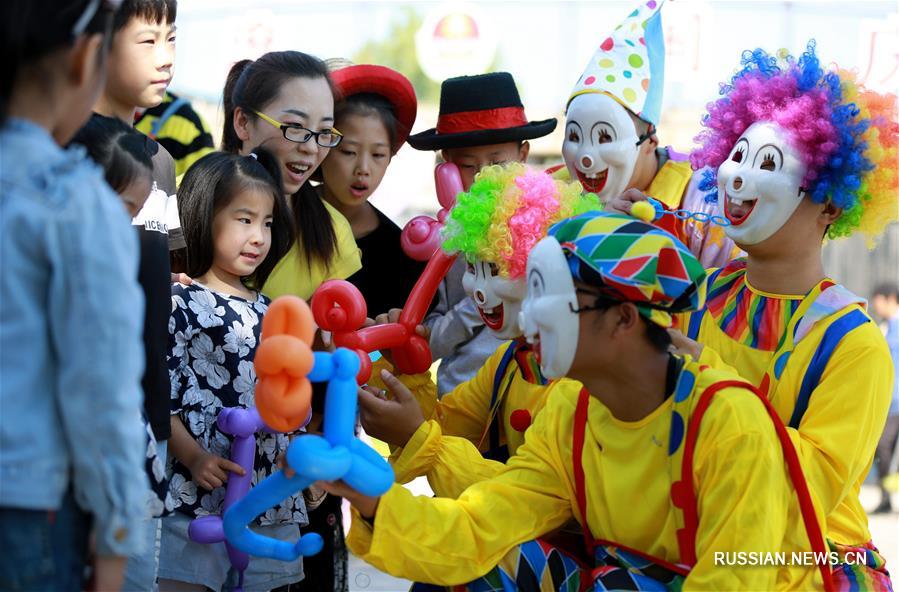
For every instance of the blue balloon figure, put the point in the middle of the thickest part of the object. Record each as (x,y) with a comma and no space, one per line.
(336,455)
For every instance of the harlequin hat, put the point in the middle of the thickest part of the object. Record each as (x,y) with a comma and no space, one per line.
(357,79)
(631,261)
(478,111)
(629,64)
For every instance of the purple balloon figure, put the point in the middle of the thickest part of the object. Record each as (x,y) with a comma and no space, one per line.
(243,425)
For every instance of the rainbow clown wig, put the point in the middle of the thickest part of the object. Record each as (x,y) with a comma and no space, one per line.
(507,210)
(846,136)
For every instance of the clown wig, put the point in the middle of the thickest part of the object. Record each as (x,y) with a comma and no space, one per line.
(846,136)
(507,210)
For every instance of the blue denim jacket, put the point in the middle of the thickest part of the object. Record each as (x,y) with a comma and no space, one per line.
(71,354)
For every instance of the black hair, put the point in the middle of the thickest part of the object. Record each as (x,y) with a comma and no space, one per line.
(658,336)
(209,185)
(30,30)
(121,150)
(152,11)
(887,290)
(370,104)
(251,85)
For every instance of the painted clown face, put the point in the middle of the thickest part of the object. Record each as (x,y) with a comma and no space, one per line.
(760,184)
(498,298)
(548,318)
(600,147)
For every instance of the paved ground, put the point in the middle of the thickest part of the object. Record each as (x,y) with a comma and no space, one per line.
(884,530)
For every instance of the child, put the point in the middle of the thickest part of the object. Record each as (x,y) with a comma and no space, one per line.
(617,455)
(481,123)
(123,155)
(814,156)
(237,227)
(611,144)
(886,305)
(375,115)
(71,443)
(285,101)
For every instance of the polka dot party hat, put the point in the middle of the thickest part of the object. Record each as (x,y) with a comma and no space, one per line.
(629,64)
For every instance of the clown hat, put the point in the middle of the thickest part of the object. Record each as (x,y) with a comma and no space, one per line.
(629,64)
(390,84)
(478,111)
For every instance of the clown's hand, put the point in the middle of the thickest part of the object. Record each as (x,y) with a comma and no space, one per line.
(367,506)
(391,420)
(683,345)
(623,203)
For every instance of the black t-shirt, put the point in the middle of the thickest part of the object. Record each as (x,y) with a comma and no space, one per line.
(154,276)
(388,274)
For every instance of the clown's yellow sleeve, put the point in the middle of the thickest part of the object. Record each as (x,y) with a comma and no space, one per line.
(452,541)
(840,429)
(444,448)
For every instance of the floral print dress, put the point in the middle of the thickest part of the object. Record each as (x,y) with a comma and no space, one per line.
(212,342)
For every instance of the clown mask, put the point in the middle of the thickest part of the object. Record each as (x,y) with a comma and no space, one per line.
(548,319)
(601,145)
(498,298)
(760,184)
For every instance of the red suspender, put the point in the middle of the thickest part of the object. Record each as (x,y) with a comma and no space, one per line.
(580,427)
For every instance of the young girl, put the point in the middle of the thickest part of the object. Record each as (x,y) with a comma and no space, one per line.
(285,101)
(71,352)
(375,116)
(236,229)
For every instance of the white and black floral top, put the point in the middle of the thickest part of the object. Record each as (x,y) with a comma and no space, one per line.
(212,342)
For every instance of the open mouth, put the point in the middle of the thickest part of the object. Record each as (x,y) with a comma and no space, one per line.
(358,190)
(593,183)
(493,318)
(297,170)
(738,210)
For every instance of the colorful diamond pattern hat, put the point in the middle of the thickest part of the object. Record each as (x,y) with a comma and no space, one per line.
(629,65)
(632,261)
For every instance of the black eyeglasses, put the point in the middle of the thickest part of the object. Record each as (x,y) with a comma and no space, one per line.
(296,133)
(90,11)
(602,302)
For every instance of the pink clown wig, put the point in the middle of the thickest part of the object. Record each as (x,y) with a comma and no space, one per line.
(846,136)
(507,210)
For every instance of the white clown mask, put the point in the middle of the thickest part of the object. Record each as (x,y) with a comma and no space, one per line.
(498,298)
(760,184)
(548,319)
(600,147)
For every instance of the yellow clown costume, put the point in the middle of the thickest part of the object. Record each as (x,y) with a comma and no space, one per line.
(817,356)
(475,428)
(657,497)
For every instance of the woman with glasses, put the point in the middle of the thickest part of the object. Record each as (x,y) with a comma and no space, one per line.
(285,101)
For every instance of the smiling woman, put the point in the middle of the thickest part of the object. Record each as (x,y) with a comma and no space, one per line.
(284,101)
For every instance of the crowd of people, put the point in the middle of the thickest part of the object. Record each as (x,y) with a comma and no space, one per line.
(645,370)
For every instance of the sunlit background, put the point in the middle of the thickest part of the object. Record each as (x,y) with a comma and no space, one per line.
(545,45)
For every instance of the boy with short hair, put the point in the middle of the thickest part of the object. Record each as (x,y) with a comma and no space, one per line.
(139,68)
(481,123)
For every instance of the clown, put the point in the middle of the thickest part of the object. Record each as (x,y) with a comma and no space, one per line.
(493,226)
(603,288)
(611,146)
(814,156)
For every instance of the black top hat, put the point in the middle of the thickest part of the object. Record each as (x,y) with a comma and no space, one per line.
(478,111)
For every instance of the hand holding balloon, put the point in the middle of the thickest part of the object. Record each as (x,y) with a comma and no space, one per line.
(421,235)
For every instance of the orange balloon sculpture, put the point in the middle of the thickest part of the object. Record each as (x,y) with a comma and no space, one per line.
(283,359)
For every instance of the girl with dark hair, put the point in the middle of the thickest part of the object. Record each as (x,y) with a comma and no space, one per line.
(236,227)
(375,115)
(72,448)
(284,101)
(122,153)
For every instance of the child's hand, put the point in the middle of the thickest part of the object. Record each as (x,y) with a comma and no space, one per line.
(367,506)
(684,345)
(210,471)
(623,203)
(393,421)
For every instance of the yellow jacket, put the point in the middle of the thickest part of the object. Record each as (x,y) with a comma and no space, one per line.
(448,447)
(846,411)
(745,500)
